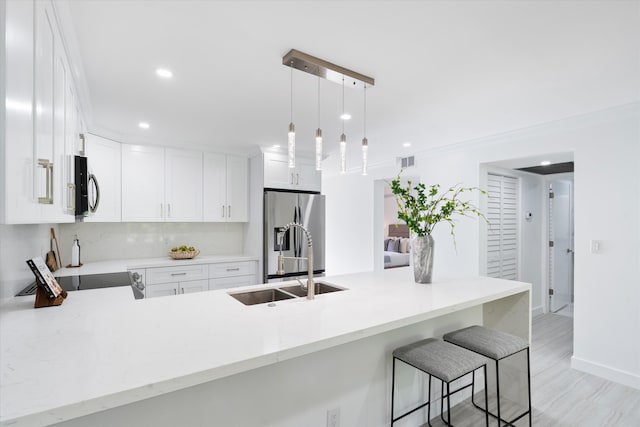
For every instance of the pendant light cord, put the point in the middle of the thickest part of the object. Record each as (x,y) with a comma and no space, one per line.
(318,102)
(365,111)
(291,91)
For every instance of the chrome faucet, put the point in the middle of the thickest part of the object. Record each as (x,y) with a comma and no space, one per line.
(311,287)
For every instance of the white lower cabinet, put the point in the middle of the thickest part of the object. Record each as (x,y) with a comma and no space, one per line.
(164,281)
(232,282)
(174,280)
(175,288)
(232,274)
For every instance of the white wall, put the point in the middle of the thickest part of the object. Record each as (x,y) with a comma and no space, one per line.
(19,243)
(390,212)
(606,147)
(105,241)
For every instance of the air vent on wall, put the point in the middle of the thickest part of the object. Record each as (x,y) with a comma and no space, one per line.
(407,162)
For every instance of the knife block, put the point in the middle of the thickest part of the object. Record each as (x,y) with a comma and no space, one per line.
(43,300)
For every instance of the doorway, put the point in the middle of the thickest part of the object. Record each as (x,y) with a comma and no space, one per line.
(561,245)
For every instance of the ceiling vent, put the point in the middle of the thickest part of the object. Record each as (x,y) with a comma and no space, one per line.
(407,162)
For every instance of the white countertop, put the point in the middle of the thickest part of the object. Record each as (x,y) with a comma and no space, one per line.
(102,348)
(118,265)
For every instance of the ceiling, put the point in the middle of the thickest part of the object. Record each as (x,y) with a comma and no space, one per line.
(445,71)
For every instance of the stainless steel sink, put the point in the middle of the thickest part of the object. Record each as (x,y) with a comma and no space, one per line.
(261,296)
(321,288)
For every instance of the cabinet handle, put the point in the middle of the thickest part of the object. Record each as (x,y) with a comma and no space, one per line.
(178,274)
(182,290)
(229,212)
(297,179)
(233,269)
(161,211)
(175,292)
(222,211)
(48,167)
(71,197)
(82,150)
(169,210)
(292,179)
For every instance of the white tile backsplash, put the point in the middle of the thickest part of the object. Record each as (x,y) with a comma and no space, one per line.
(106,241)
(19,243)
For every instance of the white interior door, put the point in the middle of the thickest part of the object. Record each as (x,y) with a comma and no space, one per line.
(561,252)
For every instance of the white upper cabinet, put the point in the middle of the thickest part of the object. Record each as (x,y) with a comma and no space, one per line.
(161,185)
(142,183)
(183,185)
(17,184)
(226,188)
(277,173)
(237,189)
(103,159)
(37,81)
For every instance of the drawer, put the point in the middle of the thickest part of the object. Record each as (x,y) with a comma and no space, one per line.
(229,269)
(232,282)
(176,274)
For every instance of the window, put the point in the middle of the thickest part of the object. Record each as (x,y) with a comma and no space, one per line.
(502,231)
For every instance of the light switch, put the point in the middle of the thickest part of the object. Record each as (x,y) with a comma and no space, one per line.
(596,246)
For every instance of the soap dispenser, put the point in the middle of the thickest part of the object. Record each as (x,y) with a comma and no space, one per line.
(75,252)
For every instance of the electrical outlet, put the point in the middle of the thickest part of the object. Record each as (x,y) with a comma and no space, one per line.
(596,246)
(333,417)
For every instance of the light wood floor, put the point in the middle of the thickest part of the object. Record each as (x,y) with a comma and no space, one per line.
(562,396)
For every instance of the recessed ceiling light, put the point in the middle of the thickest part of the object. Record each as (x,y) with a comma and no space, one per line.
(164,73)
(143,125)
(545,163)
(345,116)
(276,145)
(406,144)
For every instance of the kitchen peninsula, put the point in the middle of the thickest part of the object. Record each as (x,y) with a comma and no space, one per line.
(205,358)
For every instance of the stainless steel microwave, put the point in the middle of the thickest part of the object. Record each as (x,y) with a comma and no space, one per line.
(83,181)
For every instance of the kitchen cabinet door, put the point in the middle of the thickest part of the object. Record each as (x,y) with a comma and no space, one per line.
(161,290)
(276,171)
(193,286)
(104,158)
(142,183)
(226,188)
(307,178)
(232,282)
(237,189)
(183,185)
(215,187)
(45,61)
(17,196)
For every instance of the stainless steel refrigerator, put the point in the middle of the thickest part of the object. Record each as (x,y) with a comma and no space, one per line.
(281,208)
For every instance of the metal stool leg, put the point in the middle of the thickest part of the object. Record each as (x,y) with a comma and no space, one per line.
(498,392)
(429,405)
(393,380)
(529,384)
(486,395)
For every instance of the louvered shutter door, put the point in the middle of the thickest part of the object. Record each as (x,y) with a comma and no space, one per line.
(502,231)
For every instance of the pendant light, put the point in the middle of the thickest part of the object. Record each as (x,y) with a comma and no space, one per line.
(343,139)
(365,142)
(291,145)
(318,136)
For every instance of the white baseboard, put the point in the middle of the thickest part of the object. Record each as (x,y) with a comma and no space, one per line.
(537,311)
(616,375)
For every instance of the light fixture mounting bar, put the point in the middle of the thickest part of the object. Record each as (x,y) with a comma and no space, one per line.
(325,69)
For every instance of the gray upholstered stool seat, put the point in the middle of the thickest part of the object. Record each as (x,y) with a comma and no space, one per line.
(443,360)
(495,345)
(488,342)
(446,362)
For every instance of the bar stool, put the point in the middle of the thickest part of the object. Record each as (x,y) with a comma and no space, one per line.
(444,361)
(495,345)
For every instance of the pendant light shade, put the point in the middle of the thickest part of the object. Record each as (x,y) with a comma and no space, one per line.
(318,136)
(343,153)
(291,140)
